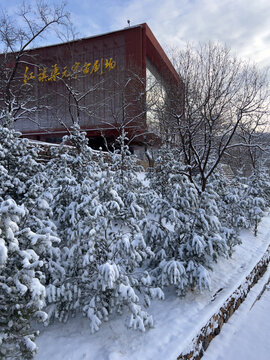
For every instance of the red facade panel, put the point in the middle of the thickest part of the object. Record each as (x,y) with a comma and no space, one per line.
(95,81)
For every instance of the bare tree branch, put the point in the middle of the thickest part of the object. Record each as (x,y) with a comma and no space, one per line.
(223,96)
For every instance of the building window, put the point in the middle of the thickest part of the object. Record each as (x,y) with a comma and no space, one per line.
(155,98)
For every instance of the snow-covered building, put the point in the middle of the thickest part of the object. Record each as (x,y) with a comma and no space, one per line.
(100,81)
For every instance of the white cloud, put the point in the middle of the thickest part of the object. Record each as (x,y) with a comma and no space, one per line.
(243,25)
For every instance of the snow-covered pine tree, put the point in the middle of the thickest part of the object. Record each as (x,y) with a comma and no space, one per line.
(236,203)
(169,218)
(264,183)
(184,230)
(256,194)
(168,161)
(102,246)
(231,206)
(124,206)
(19,160)
(171,188)
(122,198)
(22,295)
(69,191)
(25,179)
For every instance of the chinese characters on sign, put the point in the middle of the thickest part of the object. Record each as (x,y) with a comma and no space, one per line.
(55,73)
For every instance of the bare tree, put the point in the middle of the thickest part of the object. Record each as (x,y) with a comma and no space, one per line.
(76,98)
(17,34)
(254,151)
(222,95)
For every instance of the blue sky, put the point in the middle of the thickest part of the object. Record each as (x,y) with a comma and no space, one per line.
(244,25)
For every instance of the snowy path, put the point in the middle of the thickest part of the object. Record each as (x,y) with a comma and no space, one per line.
(246,335)
(177,320)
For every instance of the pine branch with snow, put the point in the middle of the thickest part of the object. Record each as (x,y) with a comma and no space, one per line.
(22,295)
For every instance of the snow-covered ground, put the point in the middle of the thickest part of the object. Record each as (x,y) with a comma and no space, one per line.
(177,320)
(246,335)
